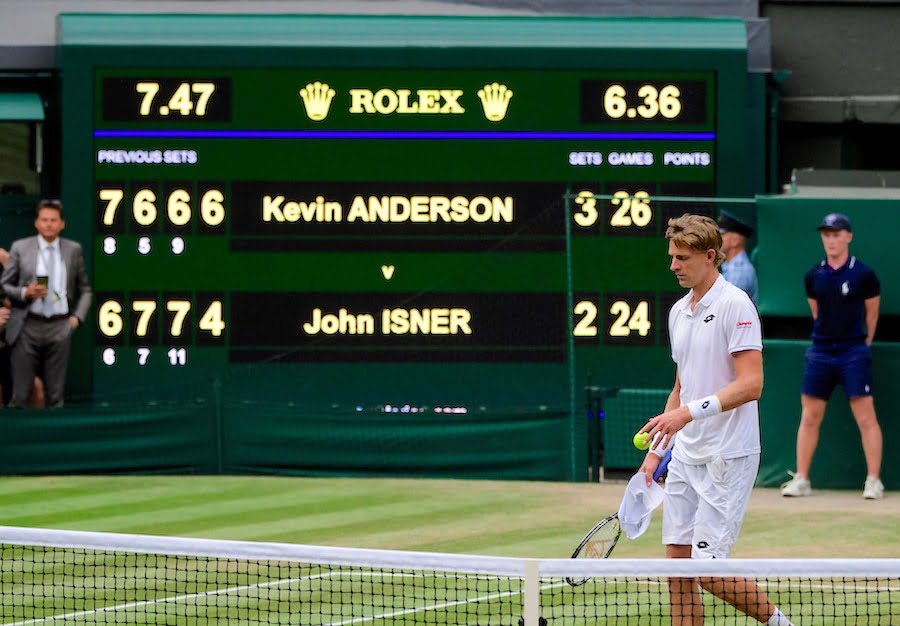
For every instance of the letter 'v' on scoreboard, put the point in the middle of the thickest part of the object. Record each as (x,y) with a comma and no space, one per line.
(377,205)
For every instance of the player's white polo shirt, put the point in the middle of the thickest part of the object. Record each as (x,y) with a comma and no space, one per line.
(703,340)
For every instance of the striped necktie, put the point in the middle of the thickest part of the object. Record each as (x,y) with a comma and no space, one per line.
(49,300)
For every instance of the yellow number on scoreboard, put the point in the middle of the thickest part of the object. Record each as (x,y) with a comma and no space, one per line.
(212,320)
(628,321)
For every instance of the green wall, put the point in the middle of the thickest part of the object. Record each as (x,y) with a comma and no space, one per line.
(216,433)
(839,461)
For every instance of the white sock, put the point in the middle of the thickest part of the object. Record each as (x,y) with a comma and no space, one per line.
(779,619)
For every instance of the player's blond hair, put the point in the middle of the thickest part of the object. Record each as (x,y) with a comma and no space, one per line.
(697,232)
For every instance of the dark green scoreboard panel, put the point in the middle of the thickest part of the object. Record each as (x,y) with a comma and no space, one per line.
(379,204)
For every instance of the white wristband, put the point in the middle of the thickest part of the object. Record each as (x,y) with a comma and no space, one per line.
(704,407)
(664,446)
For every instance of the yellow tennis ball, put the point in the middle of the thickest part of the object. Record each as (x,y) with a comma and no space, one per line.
(641,441)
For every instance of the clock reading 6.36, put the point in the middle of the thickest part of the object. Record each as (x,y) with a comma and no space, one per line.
(665,102)
(652,101)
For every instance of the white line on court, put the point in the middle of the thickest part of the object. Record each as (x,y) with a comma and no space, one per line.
(370,618)
(357,620)
(435,607)
(133,605)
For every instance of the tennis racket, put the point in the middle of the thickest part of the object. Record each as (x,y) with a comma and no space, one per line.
(602,538)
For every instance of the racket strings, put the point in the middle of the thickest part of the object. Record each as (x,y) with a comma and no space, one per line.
(597,549)
(602,542)
(598,544)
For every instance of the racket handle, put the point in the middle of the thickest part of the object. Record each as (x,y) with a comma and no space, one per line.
(663,465)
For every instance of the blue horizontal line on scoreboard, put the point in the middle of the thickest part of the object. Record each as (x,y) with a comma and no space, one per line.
(404,135)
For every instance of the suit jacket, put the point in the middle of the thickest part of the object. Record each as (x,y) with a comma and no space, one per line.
(22,270)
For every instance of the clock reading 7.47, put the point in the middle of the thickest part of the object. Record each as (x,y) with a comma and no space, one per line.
(187,98)
(204,98)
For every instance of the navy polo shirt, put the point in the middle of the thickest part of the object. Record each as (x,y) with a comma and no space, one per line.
(841,294)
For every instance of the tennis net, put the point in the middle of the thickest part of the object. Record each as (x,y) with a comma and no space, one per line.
(64,577)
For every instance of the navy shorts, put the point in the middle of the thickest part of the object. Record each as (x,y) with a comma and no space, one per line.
(829,366)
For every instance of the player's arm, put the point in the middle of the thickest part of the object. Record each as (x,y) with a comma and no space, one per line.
(674,399)
(746,386)
(748,382)
(813,307)
(811,294)
(872,305)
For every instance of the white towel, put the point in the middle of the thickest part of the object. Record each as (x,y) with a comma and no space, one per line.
(638,505)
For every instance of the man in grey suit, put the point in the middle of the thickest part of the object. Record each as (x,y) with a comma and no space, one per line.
(47,283)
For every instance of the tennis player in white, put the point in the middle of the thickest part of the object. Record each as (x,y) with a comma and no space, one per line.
(717,348)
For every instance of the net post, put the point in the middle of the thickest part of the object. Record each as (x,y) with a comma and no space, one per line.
(532,600)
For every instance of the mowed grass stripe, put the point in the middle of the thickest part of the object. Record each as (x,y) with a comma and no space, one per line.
(201,515)
(189,498)
(324,511)
(465,529)
(325,515)
(412,522)
(43,494)
(334,527)
(51,507)
(446,519)
(430,515)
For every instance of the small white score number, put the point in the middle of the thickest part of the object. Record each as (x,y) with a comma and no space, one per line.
(175,356)
(108,357)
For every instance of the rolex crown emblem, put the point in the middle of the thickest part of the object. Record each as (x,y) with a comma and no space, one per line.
(494,100)
(317,100)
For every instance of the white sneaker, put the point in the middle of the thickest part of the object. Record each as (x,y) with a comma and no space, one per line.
(874,489)
(797,487)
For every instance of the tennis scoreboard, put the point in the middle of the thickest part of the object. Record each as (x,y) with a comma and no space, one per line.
(423,209)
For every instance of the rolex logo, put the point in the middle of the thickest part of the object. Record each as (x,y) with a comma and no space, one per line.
(317,100)
(494,100)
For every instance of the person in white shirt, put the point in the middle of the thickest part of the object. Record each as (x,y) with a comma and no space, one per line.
(717,348)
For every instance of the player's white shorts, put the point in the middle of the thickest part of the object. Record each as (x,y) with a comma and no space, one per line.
(705,504)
